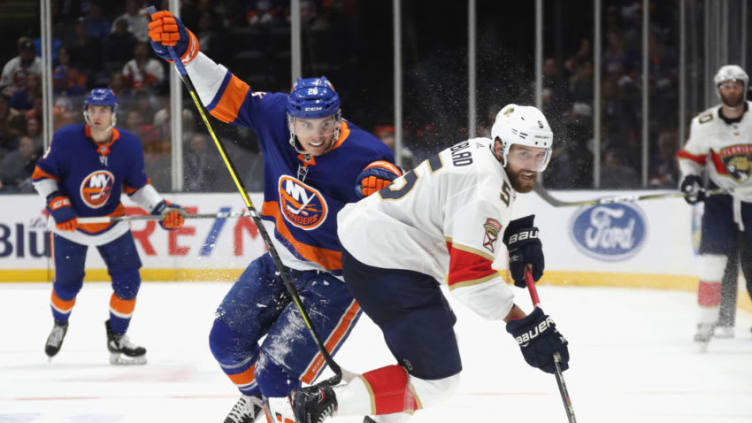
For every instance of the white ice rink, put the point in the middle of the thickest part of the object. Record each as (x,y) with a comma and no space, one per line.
(633,361)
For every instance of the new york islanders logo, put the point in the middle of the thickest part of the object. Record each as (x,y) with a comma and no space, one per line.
(302,205)
(96,188)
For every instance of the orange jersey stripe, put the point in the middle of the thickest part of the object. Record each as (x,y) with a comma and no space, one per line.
(244,378)
(122,306)
(93,228)
(335,338)
(233,97)
(130,190)
(60,304)
(385,165)
(328,259)
(467,267)
(40,174)
(344,132)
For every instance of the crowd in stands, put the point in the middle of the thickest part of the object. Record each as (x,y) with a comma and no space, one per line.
(98,43)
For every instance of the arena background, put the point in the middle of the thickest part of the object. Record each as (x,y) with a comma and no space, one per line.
(618,79)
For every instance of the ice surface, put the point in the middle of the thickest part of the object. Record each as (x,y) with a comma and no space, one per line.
(633,360)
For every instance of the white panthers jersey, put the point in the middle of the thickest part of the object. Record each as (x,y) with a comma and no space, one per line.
(445,218)
(727,147)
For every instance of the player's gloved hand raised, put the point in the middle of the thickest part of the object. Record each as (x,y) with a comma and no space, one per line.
(166,30)
(693,189)
(173,216)
(539,340)
(375,176)
(521,239)
(60,208)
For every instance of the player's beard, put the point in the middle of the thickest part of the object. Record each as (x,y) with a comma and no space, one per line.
(733,102)
(521,184)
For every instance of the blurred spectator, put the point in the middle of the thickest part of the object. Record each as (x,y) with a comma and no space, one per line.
(97,26)
(34,132)
(557,85)
(17,167)
(118,46)
(18,68)
(137,22)
(616,174)
(143,71)
(265,12)
(8,141)
(581,84)
(584,54)
(23,99)
(386,134)
(310,18)
(146,132)
(66,78)
(619,120)
(201,167)
(665,166)
(84,49)
(64,113)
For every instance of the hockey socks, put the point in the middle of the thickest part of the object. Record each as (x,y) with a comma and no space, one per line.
(381,391)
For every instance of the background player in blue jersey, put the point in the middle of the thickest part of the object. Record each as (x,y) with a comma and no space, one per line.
(83,173)
(315,162)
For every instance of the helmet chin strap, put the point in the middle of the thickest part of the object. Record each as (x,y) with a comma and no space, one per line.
(294,139)
(113,121)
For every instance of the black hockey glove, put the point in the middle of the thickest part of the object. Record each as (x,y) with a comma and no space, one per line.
(521,239)
(693,189)
(538,339)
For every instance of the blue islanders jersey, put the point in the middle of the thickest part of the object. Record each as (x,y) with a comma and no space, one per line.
(302,213)
(93,176)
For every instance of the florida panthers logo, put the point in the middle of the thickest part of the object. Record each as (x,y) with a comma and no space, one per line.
(302,205)
(96,188)
(738,161)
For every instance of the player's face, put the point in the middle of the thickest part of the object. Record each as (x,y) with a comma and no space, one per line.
(522,166)
(732,93)
(316,136)
(100,117)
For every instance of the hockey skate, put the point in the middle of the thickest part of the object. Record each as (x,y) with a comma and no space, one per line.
(246,409)
(313,404)
(724,332)
(122,350)
(703,335)
(55,340)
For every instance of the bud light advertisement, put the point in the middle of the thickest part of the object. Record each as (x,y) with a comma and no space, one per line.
(609,232)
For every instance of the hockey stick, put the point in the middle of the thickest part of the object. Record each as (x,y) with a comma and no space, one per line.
(557,358)
(281,269)
(547,197)
(130,218)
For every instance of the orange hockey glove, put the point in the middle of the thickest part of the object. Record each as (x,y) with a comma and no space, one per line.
(61,210)
(376,176)
(173,216)
(165,30)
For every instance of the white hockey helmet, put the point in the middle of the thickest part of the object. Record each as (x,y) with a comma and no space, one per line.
(731,73)
(524,125)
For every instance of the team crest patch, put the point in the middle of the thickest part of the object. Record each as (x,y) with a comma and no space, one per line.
(96,188)
(738,161)
(492,228)
(301,205)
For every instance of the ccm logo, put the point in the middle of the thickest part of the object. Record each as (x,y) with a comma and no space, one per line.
(534,332)
(521,236)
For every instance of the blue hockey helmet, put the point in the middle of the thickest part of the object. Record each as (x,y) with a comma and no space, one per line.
(101,97)
(312,98)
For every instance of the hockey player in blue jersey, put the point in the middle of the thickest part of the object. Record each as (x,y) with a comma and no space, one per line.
(315,162)
(83,174)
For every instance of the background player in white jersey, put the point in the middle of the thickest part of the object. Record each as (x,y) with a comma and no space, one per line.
(440,224)
(315,162)
(83,174)
(720,143)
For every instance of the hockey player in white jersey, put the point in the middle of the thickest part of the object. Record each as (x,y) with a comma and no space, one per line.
(440,224)
(720,143)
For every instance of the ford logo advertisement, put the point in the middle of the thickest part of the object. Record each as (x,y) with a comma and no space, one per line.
(609,232)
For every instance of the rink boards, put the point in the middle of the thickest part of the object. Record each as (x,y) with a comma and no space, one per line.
(650,244)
